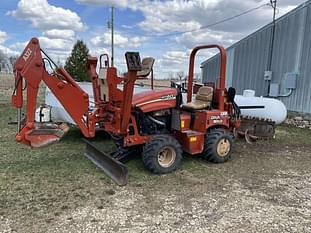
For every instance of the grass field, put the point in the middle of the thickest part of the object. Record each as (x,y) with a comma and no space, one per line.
(6,87)
(266,187)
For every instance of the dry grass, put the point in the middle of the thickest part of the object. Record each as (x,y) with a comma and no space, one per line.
(6,81)
(157,82)
(265,188)
(6,87)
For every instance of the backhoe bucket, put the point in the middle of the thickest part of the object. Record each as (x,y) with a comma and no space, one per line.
(43,134)
(114,169)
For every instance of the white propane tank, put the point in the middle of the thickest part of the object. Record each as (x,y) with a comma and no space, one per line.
(43,114)
(261,107)
(59,114)
(249,93)
(252,106)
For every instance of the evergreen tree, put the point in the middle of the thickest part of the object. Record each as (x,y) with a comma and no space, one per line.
(76,63)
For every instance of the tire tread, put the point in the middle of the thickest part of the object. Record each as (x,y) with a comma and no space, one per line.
(150,153)
(211,139)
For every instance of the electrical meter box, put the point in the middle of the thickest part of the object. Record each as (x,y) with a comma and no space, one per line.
(290,80)
(274,90)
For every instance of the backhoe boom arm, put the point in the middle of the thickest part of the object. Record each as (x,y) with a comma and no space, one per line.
(30,69)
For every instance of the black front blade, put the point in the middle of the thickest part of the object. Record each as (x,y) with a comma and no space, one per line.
(114,169)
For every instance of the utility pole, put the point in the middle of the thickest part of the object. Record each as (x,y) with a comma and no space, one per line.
(112,32)
(111,26)
(273,5)
(271,45)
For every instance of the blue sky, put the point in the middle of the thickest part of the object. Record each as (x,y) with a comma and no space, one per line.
(140,26)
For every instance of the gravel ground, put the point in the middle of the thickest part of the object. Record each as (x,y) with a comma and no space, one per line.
(265,188)
(235,208)
(275,200)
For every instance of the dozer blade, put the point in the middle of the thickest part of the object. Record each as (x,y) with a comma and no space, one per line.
(114,169)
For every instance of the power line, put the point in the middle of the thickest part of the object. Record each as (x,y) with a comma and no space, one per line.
(217,22)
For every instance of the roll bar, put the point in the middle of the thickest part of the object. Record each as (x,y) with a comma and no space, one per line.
(221,84)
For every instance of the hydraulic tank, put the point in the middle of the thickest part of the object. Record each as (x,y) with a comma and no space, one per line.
(261,107)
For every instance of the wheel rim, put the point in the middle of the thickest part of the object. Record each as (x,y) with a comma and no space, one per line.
(166,156)
(223,147)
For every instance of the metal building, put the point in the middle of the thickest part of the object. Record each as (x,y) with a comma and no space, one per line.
(290,76)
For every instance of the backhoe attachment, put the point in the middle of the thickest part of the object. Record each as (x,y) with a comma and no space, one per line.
(34,67)
(29,71)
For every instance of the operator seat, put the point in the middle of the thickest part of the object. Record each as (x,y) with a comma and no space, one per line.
(202,100)
(103,85)
(147,67)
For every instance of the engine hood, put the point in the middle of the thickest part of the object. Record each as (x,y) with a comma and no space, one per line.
(154,100)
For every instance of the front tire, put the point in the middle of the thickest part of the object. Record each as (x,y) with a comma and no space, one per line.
(162,154)
(218,146)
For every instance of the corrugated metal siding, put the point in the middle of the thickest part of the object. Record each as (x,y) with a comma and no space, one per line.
(210,70)
(250,62)
(230,65)
(247,59)
(287,46)
(305,67)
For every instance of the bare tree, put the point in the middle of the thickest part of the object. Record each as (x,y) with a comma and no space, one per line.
(6,63)
(197,76)
(180,75)
(2,55)
(12,60)
(2,58)
(170,76)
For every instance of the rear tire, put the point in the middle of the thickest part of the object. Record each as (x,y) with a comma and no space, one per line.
(218,146)
(162,154)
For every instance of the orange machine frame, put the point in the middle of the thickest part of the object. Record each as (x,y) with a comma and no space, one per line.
(114,116)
